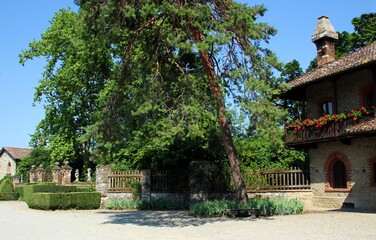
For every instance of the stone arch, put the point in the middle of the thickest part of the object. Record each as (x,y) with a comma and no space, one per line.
(337,160)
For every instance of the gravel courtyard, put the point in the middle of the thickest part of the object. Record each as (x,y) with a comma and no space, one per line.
(17,221)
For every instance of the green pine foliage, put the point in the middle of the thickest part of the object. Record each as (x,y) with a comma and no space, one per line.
(125,84)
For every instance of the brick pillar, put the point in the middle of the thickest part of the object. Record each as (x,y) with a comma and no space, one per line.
(40,174)
(66,171)
(32,174)
(57,176)
(101,179)
(146,185)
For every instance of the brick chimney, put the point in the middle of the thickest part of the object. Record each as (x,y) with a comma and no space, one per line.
(324,37)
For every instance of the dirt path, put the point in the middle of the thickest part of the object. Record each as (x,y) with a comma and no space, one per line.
(17,221)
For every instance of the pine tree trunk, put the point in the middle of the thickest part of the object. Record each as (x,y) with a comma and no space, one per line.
(241,192)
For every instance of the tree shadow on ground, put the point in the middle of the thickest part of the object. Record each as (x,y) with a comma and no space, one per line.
(164,218)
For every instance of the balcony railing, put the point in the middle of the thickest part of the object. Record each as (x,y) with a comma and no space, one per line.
(331,130)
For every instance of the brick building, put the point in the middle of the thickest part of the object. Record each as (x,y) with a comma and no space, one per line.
(9,158)
(339,130)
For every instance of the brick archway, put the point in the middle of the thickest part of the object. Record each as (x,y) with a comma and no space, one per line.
(329,175)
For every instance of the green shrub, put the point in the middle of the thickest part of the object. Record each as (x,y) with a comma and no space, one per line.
(20,190)
(85,189)
(85,200)
(6,186)
(63,201)
(267,207)
(51,196)
(116,204)
(6,189)
(5,177)
(8,196)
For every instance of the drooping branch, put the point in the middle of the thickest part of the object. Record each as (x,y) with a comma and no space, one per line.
(216,90)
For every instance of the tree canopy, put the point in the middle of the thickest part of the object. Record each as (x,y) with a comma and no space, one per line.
(154,84)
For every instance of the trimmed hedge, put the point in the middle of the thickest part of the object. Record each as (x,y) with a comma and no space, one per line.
(6,186)
(20,191)
(5,177)
(49,196)
(6,190)
(63,201)
(9,196)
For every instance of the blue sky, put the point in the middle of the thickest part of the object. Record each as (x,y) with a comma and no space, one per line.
(22,21)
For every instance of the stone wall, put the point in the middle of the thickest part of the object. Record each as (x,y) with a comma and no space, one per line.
(349,93)
(360,192)
(198,188)
(349,90)
(5,159)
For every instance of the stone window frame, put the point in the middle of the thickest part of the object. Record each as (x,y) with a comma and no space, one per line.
(332,158)
(372,171)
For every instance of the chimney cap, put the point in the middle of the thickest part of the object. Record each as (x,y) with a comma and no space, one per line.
(324,29)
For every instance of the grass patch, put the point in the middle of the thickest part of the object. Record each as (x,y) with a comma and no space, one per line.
(267,206)
(159,204)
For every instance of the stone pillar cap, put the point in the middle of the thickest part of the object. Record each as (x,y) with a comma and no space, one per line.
(324,29)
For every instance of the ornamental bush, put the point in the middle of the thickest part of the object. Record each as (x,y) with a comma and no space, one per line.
(6,186)
(49,196)
(267,206)
(63,201)
(6,190)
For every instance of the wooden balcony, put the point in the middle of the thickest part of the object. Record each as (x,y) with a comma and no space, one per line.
(344,130)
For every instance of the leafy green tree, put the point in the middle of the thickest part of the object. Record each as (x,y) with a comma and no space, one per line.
(74,75)
(291,71)
(149,40)
(36,157)
(262,145)
(364,34)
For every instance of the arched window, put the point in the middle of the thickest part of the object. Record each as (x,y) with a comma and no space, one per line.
(337,172)
(339,175)
(9,169)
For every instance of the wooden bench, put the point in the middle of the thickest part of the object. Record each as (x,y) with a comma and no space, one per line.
(249,212)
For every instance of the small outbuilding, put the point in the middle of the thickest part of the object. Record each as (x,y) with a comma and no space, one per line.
(9,158)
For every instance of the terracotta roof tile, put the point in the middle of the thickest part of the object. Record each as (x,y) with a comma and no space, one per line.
(354,60)
(17,153)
